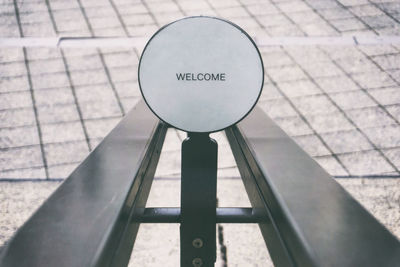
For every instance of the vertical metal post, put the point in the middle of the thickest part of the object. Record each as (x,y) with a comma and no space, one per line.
(198,201)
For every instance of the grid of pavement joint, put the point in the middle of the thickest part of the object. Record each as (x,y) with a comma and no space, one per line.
(341,104)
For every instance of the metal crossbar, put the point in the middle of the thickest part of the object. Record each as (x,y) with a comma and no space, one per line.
(305,216)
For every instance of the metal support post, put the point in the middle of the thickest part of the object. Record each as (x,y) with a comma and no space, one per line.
(198,201)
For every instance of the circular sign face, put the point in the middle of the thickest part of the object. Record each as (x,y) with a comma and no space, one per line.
(201,74)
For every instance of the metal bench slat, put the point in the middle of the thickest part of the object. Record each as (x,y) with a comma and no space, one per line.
(313,221)
(87,220)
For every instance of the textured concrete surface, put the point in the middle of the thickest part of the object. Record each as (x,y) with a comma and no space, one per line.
(340,103)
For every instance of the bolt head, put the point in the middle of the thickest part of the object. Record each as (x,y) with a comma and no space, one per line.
(197,262)
(197,243)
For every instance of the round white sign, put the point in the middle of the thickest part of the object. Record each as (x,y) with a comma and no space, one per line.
(201,74)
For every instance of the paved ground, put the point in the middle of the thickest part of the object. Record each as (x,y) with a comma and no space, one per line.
(340,103)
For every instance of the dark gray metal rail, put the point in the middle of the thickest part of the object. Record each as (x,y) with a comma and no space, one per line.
(312,221)
(305,216)
(87,221)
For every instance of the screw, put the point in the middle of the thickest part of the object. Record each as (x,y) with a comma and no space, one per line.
(197,262)
(197,243)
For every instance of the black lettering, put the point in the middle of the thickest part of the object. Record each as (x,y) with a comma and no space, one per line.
(214,77)
(180,76)
(189,76)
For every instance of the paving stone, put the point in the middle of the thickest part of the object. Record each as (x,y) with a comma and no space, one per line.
(101,127)
(335,13)
(35,17)
(352,100)
(129,102)
(17,117)
(141,30)
(269,92)
(233,12)
(370,117)
(21,157)
(41,53)
(346,141)
(395,75)
(393,154)
(373,80)
(65,153)
(350,3)
(312,145)
(296,6)
(84,63)
(325,123)
(18,137)
(11,54)
(388,62)
(59,4)
(293,126)
(54,97)
(331,165)
(38,67)
(262,8)
(359,65)
(299,88)
(365,10)
(132,9)
(363,163)
(379,50)
(322,4)
(101,22)
(394,111)
(14,84)
(390,7)
(15,100)
(278,108)
(379,196)
(336,84)
(379,21)
(51,80)
(307,55)
(43,29)
(57,113)
(61,171)
(319,29)
(286,73)
(386,96)
(318,104)
(128,89)
(289,30)
(89,77)
(275,59)
(384,137)
(322,69)
(100,109)
(122,74)
(273,20)
(71,131)
(17,203)
(12,69)
(193,5)
(348,24)
(19,174)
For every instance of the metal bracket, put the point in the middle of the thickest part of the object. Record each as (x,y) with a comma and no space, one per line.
(198,200)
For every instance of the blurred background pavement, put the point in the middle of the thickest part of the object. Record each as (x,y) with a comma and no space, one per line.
(340,103)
